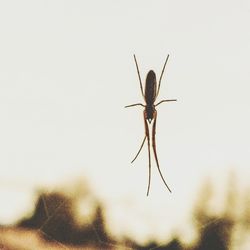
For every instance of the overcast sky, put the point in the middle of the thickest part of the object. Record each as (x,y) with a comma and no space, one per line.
(66,73)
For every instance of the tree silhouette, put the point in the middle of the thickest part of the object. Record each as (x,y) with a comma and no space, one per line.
(214,231)
(54,217)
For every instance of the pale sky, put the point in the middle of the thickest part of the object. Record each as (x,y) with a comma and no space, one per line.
(66,73)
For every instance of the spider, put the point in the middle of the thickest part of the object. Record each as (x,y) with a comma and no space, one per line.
(150,115)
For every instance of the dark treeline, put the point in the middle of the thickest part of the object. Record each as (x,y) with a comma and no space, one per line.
(54,217)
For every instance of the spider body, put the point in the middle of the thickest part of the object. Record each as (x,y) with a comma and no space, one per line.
(150,94)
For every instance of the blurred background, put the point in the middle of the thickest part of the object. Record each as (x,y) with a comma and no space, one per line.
(66,73)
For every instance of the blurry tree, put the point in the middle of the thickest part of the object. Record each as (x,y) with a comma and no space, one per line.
(99,225)
(214,231)
(246,212)
(54,217)
(201,208)
(216,234)
(174,244)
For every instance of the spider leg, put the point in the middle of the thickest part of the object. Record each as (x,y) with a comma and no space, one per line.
(139,149)
(159,85)
(138,72)
(136,104)
(171,100)
(149,156)
(154,150)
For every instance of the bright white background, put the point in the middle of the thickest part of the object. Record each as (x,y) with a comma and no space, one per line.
(66,73)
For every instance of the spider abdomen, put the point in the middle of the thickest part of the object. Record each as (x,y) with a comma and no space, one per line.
(150,88)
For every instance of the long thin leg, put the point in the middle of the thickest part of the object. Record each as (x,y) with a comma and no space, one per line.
(170,100)
(149,157)
(138,72)
(136,104)
(154,149)
(139,149)
(158,89)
